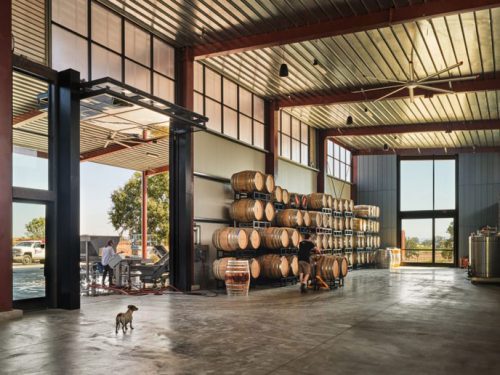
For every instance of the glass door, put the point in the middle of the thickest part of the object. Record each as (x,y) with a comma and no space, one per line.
(28,251)
(428,241)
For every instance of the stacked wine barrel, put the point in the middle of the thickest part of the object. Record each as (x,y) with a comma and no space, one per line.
(367,241)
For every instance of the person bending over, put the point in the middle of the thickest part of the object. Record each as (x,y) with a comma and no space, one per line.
(306,249)
(107,253)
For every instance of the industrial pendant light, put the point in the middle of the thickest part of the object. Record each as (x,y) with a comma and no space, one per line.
(349,120)
(283,70)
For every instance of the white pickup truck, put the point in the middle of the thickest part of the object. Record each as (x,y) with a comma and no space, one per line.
(28,251)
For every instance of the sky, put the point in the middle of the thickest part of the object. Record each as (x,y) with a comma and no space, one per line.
(97,182)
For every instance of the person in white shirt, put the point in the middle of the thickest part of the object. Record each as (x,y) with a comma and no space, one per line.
(107,253)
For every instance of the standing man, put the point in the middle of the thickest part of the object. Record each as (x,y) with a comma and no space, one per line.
(107,253)
(306,248)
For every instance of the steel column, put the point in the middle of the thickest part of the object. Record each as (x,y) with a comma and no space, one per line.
(272,124)
(354,178)
(322,161)
(181,181)
(144,215)
(66,279)
(5,155)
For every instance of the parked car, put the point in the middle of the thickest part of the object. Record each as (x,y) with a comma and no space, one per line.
(27,252)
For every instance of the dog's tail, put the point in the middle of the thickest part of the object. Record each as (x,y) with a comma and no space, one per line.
(118,321)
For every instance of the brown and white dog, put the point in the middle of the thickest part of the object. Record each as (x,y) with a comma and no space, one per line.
(125,318)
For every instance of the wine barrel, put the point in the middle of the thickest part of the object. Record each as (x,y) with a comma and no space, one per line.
(335,242)
(341,205)
(286,196)
(219,268)
(343,265)
(295,200)
(324,241)
(254,268)
(351,205)
(246,210)
(269,211)
(303,201)
(340,223)
(278,194)
(316,201)
(230,239)
(346,204)
(325,220)
(273,266)
(340,242)
(248,181)
(317,239)
(289,218)
(237,277)
(328,267)
(293,265)
(316,219)
(253,238)
(269,183)
(293,235)
(330,221)
(335,204)
(306,218)
(329,201)
(331,242)
(347,223)
(274,238)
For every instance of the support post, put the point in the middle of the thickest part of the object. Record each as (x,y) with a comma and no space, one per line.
(144,216)
(272,122)
(322,161)
(354,178)
(181,180)
(67,242)
(5,156)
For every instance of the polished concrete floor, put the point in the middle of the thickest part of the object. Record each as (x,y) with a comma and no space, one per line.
(410,321)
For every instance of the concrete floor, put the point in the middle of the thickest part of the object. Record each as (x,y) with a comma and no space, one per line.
(410,321)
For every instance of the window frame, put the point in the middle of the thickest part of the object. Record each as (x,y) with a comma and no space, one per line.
(332,160)
(290,138)
(254,119)
(123,56)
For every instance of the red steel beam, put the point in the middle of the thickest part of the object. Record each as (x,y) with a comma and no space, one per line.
(325,98)
(28,116)
(413,128)
(429,151)
(341,26)
(5,156)
(154,171)
(94,154)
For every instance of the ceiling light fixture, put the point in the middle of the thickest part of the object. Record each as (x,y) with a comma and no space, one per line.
(349,120)
(319,66)
(152,155)
(283,70)
(386,147)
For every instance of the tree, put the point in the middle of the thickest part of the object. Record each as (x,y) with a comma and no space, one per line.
(125,214)
(35,229)
(448,242)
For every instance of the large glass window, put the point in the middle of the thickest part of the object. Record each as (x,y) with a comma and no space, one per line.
(231,109)
(293,139)
(427,191)
(148,61)
(339,161)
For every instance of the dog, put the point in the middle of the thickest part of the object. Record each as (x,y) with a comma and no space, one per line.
(125,318)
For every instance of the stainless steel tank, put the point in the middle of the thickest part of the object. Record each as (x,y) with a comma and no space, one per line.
(484,255)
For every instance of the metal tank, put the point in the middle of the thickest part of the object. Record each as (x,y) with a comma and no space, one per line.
(484,255)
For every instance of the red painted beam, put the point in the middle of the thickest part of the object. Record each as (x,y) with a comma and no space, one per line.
(326,98)
(341,26)
(94,154)
(28,116)
(154,171)
(429,151)
(413,128)
(5,156)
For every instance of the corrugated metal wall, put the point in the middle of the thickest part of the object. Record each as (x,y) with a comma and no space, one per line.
(377,185)
(29,29)
(478,194)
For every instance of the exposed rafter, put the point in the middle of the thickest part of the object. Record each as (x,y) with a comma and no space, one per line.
(94,154)
(428,151)
(412,128)
(341,26)
(155,171)
(350,97)
(28,117)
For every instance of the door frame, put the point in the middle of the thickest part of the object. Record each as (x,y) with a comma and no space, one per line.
(429,214)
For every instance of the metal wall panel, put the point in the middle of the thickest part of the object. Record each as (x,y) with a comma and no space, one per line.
(377,185)
(478,193)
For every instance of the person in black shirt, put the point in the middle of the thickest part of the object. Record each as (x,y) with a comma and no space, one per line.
(306,248)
